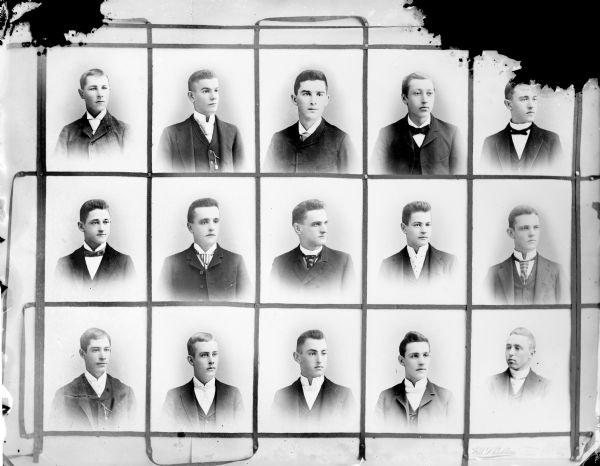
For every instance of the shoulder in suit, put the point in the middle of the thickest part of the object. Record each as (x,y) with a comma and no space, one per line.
(535,387)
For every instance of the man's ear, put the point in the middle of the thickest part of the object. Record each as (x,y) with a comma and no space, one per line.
(297,228)
(404,100)
(508,104)
(294,99)
(190,360)
(189,227)
(510,232)
(190,96)
(401,359)
(80,92)
(403,228)
(81,352)
(296,356)
(80,225)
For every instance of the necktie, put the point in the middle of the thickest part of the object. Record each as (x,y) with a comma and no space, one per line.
(310,260)
(523,267)
(304,135)
(97,253)
(205,259)
(523,132)
(421,130)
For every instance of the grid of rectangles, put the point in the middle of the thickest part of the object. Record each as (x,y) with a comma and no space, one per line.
(265,46)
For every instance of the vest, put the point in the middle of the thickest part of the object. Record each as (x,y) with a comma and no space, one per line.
(202,161)
(413,416)
(517,164)
(408,273)
(207,421)
(101,406)
(524,292)
(311,416)
(415,164)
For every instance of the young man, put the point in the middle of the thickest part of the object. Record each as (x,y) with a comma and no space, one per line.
(525,277)
(418,264)
(95,400)
(204,403)
(95,267)
(311,144)
(521,147)
(416,403)
(205,271)
(311,271)
(97,136)
(203,142)
(419,143)
(313,402)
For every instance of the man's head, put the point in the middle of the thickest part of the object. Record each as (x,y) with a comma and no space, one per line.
(418,93)
(524,228)
(414,356)
(203,356)
(203,222)
(310,96)
(203,92)
(94,222)
(311,354)
(94,90)
(94,348)
(416,224)
(521,100)
(309,220)
(520,348)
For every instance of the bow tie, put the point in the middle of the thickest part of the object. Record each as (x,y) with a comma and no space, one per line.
(524,260)
(524,131)
(97,253)
(421,130)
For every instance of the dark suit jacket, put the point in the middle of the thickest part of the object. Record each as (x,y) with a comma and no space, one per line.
(176,146)
(180,409)
(327,150)
(76,139)
(441,151)
(116,273)
(541,151)
(74,403)
(226,279)
(337,406)
(332,273)
(535,387)
(391,411)
(549,282)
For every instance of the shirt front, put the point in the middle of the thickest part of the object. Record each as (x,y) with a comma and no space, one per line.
(205,393)
(207,126)
(519,140)
(414,393)
(517,379)
(93,263)
(95,121)
(529,264)
(205,256)
(419,138)
(417,259)
(311,391)
(304,133)
(97,384)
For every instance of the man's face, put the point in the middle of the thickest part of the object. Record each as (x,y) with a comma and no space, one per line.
(96,356)
(96,228)
(205,96)
(311,100)
(518,354)
(522,104)
(418,230)
(95,93)
(416,360)
(526,232)
(420,98)
(205,360)
(312,232)
(205,227)
(312,358)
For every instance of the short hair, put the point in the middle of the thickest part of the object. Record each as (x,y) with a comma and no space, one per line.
(198,75)
(411,337)
(314,334)
(196,338)
(509,89)
(92,334)
(526,333)
(407,79)
(299,212)
(309,75)
(415,206)
(90,205)
(520,210)
(204,202)
(91,72)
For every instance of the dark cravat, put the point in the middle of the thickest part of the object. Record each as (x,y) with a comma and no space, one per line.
(524,131)
(421,130)
(98,253)
(304,135)
(523,267)
(310,260)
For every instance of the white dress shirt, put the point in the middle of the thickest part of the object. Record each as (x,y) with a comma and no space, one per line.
(414,393)
(308,252)
(417,259)
(205,393)
(95,121)
(311,391)
(93,263)
(419,138)
(98,384)
(205,256)
(207,127)
(519,140)
(519,256)
(307,132)
(517,379)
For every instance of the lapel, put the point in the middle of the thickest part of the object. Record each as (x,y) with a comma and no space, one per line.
(429,394)
(530,384)
(104,127)
(299,395)
(504,145)
(406,137)
(313,138)
(436,265)
(400,396)
(327,395)
(217,257)
(319,268)
(81,266)
(105,268)
(505,274)
(404,260)
(542,277)
(225,139)
(188,402)
(532,146)
(185,145)
(192,259)
(85,127)
(84,392)
(219,403)
(433,133)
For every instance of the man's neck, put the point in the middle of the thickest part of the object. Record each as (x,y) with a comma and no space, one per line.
(418,120)
(307,124)
(93,246)
(416,247)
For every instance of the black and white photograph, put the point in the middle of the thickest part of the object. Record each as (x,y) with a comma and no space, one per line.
(95,375)
(96,239)
(310,367)
(203,112)
(590,241)
(204,246)
(96,111)
(417,112)
(521,242)
(590,136)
